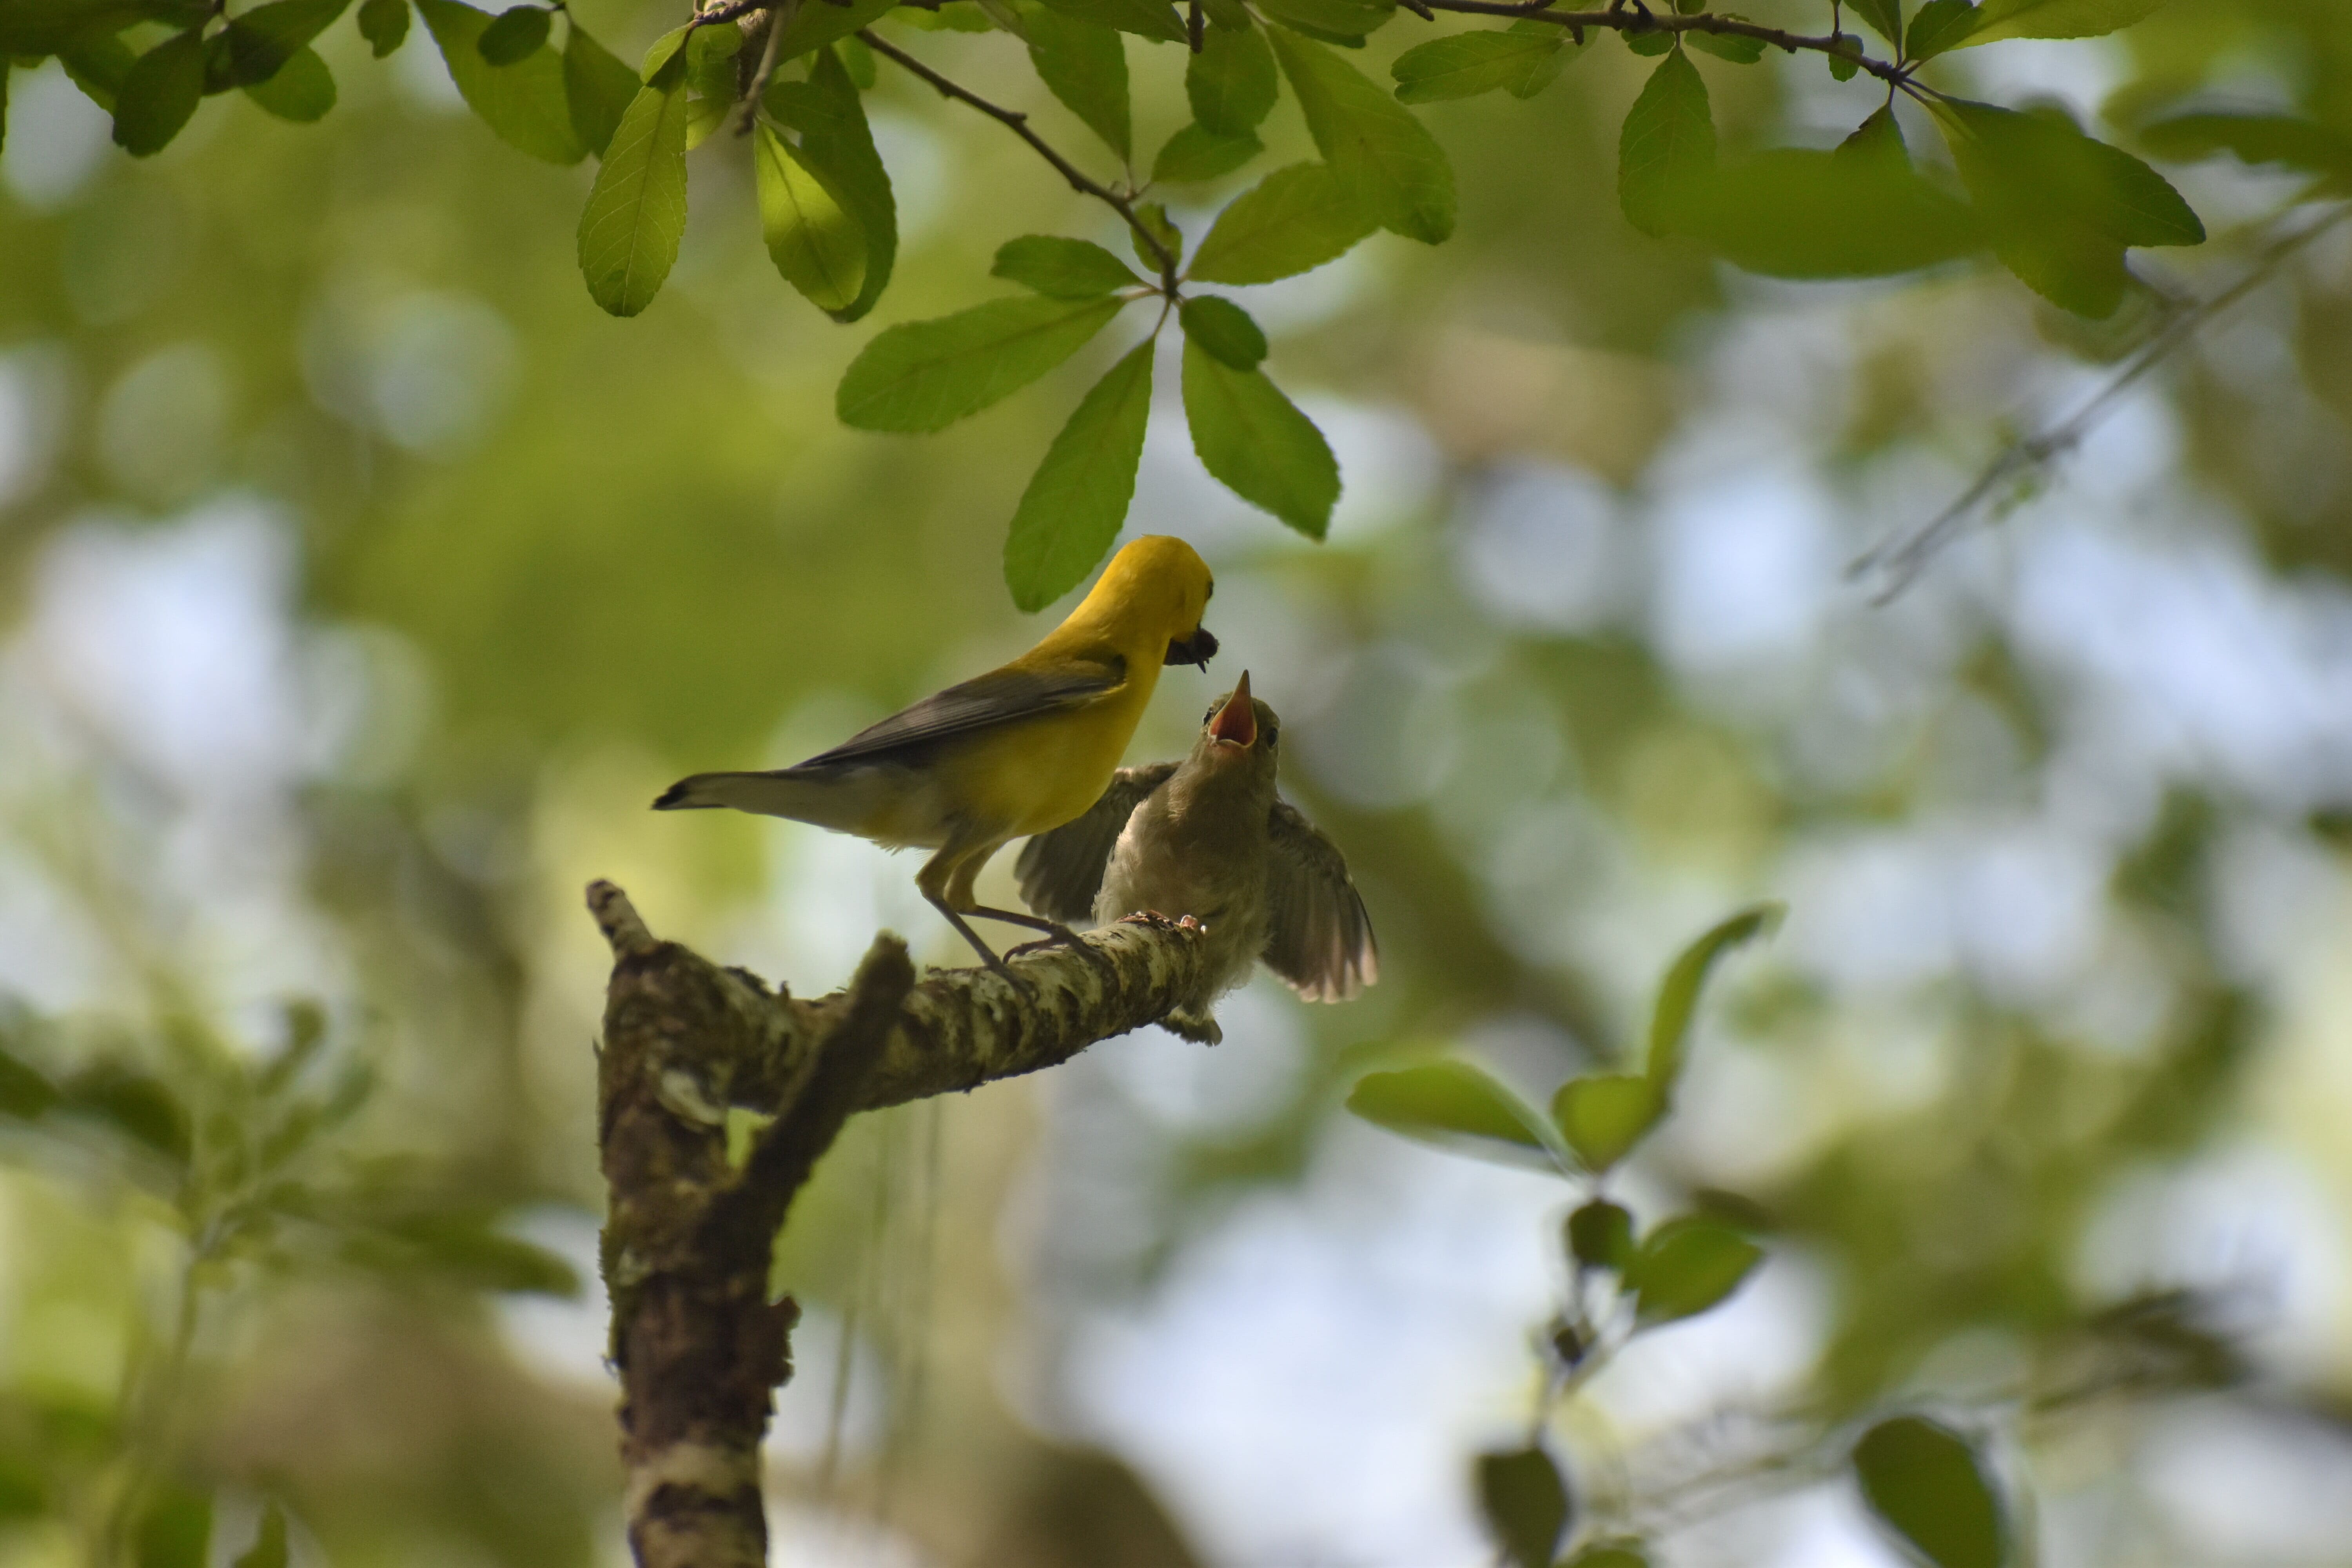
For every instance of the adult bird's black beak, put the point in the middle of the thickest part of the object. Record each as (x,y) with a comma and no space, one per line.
(1195,649)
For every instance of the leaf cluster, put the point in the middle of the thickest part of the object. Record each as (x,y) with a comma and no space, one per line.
(241,1157)
(1926,1484)
(2058,207)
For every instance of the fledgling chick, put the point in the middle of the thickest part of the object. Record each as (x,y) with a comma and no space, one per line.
(1022,749)
(1209,839)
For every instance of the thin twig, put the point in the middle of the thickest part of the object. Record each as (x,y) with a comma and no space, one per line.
(1019,124)
(1641,21)
(1901,559)
(757,88)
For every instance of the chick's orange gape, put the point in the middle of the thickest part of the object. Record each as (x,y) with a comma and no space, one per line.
(1018,750)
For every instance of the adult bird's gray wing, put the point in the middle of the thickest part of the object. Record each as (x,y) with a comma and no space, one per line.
(1060,872)
(1320,939)
(999,697)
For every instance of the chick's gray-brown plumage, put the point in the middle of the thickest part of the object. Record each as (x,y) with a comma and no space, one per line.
(1209,838)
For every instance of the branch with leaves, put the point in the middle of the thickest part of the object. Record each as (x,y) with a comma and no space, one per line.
(1923,1467)
(715,1098)
(2013,470)
(2057,208)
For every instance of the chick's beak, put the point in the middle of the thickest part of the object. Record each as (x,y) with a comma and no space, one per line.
(1236,722)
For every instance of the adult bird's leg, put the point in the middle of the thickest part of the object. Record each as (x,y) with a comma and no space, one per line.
(941,877)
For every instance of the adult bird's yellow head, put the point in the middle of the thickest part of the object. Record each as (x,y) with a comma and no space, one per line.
(1020,750)
(1155,591)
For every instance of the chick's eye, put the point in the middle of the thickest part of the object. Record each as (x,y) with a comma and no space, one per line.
(1210,714)
(1273,736)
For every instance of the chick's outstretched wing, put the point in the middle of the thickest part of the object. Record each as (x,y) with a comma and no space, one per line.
(1060,872)
(1322,942)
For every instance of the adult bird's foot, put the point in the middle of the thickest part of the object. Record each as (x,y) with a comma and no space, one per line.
(1063,936)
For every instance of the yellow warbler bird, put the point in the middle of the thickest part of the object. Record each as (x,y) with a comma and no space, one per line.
(1208,837)
(1018,750)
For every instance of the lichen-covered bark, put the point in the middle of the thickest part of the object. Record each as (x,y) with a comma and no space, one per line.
(698,1346)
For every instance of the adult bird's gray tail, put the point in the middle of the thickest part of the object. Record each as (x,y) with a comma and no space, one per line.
(851,800)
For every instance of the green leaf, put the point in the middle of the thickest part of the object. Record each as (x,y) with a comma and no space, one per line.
(1145,18)
(1619,1552)
(301,90)
(925,375)
(2060,207)
(1061,268)
(136,1104)
(1667,147)
(1224,330)
(710,79)
(597,89)
(1230,82)
(175,1529)
(517,31)
(1938,25)
(1078,496)
(1737,47)
(2255,139)
(836,142)
(159,94)
(1930,1487)
(1154,216)
(1859,212)
(384,24)
(661,51)
(32,28)
(1601,1236)
(1196,153)
(1686,1266)
(1998,19)
(1653,42)
(858,62)
(268,1547)
(1885,16)
(524,104)
(813,26)
(1442,1102)
(1385,159)
(1525,1502)
(1258,443)
(1468,64)
(1293,221)
(1343,22)
(99,63)
(466,1250)
(1678,993)
(636,209)
(24,1093)
(256,43)
(1085,66)
(813,239)
(1846,57)
(1603,1117)
(1230,14)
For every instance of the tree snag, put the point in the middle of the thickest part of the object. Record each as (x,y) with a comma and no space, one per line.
(698,1346)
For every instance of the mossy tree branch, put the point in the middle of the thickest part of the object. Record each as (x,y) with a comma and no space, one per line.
(699,1347)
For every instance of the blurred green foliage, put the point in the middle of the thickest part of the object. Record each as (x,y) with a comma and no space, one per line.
(266,1258)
